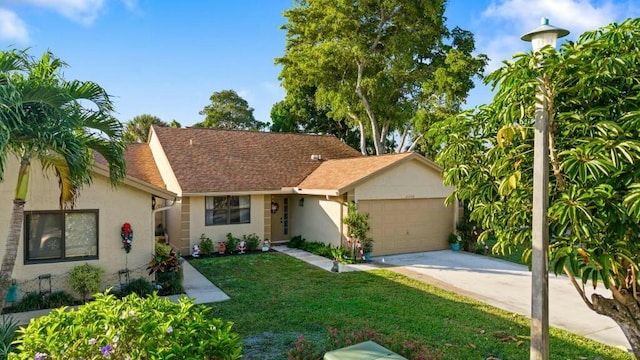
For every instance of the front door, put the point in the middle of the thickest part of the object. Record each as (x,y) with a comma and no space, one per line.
(280,225)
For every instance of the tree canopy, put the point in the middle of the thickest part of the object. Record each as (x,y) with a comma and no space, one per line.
(59,123)
(137,130)
(377,64)
(228,110)
(592,87)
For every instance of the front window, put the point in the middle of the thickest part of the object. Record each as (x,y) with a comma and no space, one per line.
(224,210)
(61,235)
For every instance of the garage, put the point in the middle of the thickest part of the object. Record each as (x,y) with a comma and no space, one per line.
(408,225)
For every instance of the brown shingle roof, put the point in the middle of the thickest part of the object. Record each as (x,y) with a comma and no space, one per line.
(211,160)
(140,164)
(338,174)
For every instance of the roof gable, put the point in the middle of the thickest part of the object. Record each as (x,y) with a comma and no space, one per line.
(338,176)
(212,160)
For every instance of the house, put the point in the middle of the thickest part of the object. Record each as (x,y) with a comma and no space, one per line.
(280,185)
(53,240)
(196,181)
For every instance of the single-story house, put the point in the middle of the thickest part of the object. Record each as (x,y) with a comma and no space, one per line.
(194,181)
(53,240)
(280,185)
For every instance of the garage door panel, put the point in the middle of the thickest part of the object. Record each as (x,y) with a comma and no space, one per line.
(408,225)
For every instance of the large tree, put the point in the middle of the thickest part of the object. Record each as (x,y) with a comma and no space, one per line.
(137,129)
(376,63)
(228,110)
(593,90)
(59,124)
(300,114)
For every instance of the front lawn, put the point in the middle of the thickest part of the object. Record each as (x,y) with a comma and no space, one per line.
(275,298)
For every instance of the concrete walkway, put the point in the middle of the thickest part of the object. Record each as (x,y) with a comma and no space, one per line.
(499,283)
(195,285)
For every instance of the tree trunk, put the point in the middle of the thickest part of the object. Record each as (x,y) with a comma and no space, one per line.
(403,138)
(367,107)
(626,314)
(415,142)
(363,138)
(11,248)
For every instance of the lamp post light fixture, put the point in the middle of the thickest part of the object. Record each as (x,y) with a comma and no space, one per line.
(540,37)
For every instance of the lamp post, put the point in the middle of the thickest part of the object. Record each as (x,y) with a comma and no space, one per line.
(540,37)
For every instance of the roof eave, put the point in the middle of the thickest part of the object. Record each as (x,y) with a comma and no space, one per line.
(137,183)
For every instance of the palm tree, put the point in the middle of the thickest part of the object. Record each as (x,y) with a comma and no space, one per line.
(59,124)
(137,130)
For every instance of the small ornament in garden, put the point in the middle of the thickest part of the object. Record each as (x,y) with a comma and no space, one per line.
(222,248)
(127,237)
(242,246)
(196,251)
(265,245)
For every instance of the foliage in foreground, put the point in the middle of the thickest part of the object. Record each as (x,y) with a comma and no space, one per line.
(8,328)
(130,328)
(304,299)
(592,87)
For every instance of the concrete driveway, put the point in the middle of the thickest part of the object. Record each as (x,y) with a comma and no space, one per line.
(507,286)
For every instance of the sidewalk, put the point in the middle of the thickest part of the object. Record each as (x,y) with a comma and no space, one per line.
(195,285)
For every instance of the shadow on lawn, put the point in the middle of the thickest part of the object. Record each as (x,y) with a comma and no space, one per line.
(280,296)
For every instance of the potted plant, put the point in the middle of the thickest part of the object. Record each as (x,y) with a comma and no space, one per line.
(455,240)
(367,248)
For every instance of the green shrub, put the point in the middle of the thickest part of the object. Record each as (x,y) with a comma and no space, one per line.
(140,286)
(130,328)
(253,242)
(85,279)
(296,242)
(8,327)
(29,302)
(206,245)
(232,243)
(58,299)
(36,301)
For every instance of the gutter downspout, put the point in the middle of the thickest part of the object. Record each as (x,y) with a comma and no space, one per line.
(153,219)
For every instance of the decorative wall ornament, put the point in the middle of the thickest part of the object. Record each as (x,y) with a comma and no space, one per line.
(274,207)
(127,237)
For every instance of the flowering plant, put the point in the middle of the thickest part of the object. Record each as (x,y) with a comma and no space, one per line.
(130,328)
(127,237)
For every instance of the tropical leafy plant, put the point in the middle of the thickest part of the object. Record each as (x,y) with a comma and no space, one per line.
(592,88)
(8,328)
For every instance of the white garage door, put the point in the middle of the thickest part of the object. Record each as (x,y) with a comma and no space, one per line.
(408,225)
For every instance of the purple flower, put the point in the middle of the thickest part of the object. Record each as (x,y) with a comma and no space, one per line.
(105,350)
(40,356)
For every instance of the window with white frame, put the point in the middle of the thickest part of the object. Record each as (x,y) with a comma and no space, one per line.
(225,210)
(66,235)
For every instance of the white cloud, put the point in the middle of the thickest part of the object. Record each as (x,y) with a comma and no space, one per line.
(576,15)
(12,27)
(501,25)
(82,11)
(131,5)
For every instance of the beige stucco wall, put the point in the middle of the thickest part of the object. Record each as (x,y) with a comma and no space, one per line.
(318,220)
(116,206)
(408,180)
(219,232)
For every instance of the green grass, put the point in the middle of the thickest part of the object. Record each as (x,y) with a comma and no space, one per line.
(275,294)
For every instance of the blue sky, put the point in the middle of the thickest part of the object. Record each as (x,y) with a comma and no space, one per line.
(166,58)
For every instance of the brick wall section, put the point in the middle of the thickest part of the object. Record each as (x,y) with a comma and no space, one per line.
(184,245)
